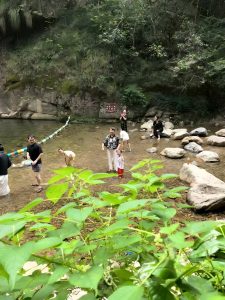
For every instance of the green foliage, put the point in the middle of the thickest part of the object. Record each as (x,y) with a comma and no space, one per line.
(133,96)
(122,245)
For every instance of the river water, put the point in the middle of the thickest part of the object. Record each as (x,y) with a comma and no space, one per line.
(85,140)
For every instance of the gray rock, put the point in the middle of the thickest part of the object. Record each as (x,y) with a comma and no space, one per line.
(207,192)
(193,147)
(201,131)
(179,134)
(215,140)
(147,125)
(152,150)
(208,156)
(189,139)
(168,125)
(173,152)
(221,132)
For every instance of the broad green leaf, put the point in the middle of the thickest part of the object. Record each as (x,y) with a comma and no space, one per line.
(8,253)
(46,244)
(140,164)
(55,192)
(9,217)
(159,292)
(120,241)
(79,215)
(67,230)
(194,228)
(85,174)
(169,229)
(129,292)
(66,207)
(89,279)
(168,176)
(59,272)
(67,171)
(31,205)
(39,226)
(11,229)
(56,178)
(166,214)
(178,241)
(101,176)
(44,292)
(172,195)
(117,226)
(131,205)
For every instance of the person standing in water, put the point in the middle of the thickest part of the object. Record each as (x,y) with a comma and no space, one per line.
(123,120)
(69,156)
(5,163)
(157,127)
(34,153)
(111,142)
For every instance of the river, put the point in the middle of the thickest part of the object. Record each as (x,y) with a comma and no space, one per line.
(85,140)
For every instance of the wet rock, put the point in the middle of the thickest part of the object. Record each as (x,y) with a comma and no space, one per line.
(201,131)
(208,156)
(189,139)
(173,152)
(215,140)
(152,150)
(145,137)
(168,125)
(193,147)
(179,134)
(207,192)
(166,133)
(221,132)
(147,125)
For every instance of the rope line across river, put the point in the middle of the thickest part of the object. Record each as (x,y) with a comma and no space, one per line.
(22,150)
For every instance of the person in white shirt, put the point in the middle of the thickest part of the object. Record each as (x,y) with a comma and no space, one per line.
(124,136)
(68,155)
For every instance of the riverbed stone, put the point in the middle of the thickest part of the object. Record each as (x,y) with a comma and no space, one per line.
(173,152)
(152,150)
(200,131)
(193,147)
(207,192)
(168,125)
(215,140)
(179,134)
(147,125)
(186,140)
(221,132)
(166,133)
(208,156)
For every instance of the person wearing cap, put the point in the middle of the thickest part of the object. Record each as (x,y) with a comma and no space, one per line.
(5,163)
(34,153)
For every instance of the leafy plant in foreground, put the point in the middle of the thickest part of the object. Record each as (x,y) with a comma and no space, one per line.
(122,245)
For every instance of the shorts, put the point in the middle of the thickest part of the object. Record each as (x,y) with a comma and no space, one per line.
(120,172)
(36,168)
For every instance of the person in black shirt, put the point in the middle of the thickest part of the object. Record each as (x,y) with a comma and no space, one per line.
(123,120)
(34,153)
(157,127)
(5,163)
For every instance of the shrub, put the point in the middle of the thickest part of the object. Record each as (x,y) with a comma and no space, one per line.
(133,95)
(115,245)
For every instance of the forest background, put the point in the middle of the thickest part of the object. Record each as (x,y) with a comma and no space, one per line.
(168,53)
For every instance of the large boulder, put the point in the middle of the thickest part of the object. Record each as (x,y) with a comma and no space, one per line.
(201,131)
(168,125)
(147,125)
(221,132)
(179,134)
(215,140)
(207,192)
(173,152)
(189,139)
(193,147)
(208,156)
